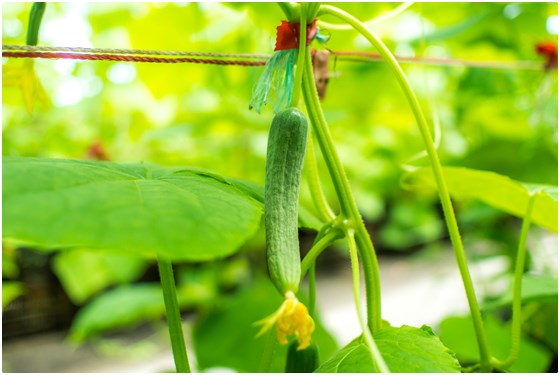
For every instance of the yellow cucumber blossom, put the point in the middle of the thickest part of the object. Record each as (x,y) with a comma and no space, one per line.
(292,318)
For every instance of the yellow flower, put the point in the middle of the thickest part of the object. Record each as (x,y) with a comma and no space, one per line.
(24,77)
(292,318)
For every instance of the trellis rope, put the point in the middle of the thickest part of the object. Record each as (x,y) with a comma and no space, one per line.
(120,51)
(365,56)
(240,59)
(128,58)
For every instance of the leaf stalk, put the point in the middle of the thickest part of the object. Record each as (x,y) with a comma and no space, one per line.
(173,316)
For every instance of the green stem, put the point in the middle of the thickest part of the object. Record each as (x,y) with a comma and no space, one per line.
(320,244)
(342,188)
(268,352)
(325,141)
(312,287)
(312,10)
(288,10)
(517,283)
(319,200)
(385,16)
(173,316)
(374,351)
(35,17)
(438,174)
(301,54)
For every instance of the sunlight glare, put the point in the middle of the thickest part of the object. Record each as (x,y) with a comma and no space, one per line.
(552,25)
(69,92)
(121,73)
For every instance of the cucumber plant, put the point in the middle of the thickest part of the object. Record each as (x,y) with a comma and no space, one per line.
(188,214)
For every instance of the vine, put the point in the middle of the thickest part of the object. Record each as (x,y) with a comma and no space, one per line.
(438,174)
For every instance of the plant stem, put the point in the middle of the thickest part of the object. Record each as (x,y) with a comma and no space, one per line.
(374,351)
(348,206)
(268,353)
(288,10)
(517,283)
(173,316)
(383,17)
(301,54)
(320,202)
(438,174)
(35,18)
(312,287)
(319,245)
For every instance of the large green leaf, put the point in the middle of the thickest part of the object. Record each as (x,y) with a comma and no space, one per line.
(457,333)
(129,305)
(83,273)
(125,306)
(535,288)
(405,349)
(178,213)
(498,191)
(225,336)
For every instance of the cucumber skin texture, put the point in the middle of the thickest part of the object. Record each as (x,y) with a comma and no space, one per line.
(287,143)
(306,360)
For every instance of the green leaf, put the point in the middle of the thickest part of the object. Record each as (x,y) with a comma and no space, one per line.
(405,349)
(10,291)
(305,218)
(83,273)
(498,191)
(122,307)
(129,305)
(534,289)
(178,213)
(225,336)
(457,333)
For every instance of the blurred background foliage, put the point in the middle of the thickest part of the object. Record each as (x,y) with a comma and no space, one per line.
(501,120)
(496,119)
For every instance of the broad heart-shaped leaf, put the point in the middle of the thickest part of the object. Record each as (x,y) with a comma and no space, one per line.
(535,288)
(177,213)
(404,349)
(224,337)
(458,334)
(498,191)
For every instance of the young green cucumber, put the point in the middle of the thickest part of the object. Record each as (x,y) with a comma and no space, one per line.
(287,142)
(298,361)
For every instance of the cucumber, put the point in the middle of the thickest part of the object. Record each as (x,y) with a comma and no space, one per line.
(287,143)
(306,360)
